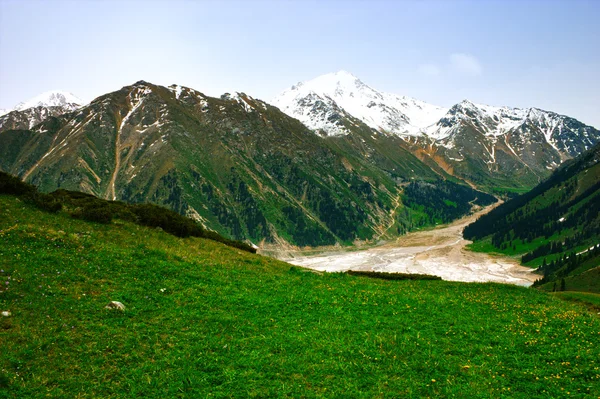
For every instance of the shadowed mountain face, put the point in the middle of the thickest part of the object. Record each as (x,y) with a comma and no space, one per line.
(495,148)
(237,164)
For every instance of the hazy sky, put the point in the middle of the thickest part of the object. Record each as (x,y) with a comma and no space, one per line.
(513,52)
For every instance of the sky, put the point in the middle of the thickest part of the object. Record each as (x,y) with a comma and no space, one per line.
(519,53)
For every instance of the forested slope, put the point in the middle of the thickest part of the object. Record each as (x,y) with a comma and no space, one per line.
(555,226)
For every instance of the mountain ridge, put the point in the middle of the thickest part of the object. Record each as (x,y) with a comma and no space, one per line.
(237,164)
(27,114)
(490,147)
(382,111)
(53,98)
(248,170)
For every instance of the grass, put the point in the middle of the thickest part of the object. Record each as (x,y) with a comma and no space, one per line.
(392,276)
(587,281)
(589,299)
(519,248)
(206,320)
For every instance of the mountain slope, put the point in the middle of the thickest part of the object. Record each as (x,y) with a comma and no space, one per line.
(87,207)
(495,148)
(202,319)
(555,226)
(237,164)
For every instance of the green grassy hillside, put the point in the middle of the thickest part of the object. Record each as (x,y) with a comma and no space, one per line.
(206,320)
(87,207)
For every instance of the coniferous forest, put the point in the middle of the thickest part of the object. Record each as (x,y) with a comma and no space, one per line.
(554,227)
(444,201)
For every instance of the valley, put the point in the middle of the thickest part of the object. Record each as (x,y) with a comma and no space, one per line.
(440,251)
(294,199)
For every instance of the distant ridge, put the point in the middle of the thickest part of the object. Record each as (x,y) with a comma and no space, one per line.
(491,147)
(54,98)
(27,114)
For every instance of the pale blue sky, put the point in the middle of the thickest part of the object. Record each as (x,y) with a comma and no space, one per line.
(518,53)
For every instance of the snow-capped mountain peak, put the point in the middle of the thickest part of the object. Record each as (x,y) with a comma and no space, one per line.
(318,103)
(529,138)
(491,120)
(51,99)
(29,113)
(521,126)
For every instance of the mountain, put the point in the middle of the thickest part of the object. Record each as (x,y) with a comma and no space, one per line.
(237,164)
(491,147)
(505,147)
(29,113)
(555,226)
(321,103)
(51,99)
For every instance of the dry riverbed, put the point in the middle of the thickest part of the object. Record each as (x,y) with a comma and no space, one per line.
(440,251)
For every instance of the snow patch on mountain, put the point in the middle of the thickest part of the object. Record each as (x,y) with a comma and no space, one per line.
(331,103)
(322,102)
(248,103)
(52,99)
(493,121)
(564,134)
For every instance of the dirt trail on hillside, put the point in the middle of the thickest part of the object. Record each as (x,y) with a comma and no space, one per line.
(440,251)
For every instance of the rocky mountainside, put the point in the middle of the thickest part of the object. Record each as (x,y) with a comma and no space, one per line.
(27,114)
(491,147)
(237,164)
(506,147)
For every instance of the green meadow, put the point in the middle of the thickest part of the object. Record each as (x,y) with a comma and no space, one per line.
(205,320)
